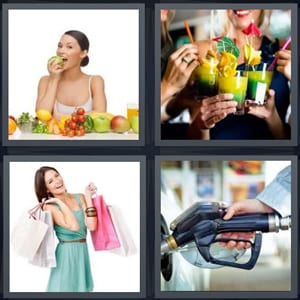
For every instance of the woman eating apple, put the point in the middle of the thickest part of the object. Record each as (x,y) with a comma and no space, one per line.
(67,87)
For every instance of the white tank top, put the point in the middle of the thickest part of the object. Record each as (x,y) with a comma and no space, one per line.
(67,109)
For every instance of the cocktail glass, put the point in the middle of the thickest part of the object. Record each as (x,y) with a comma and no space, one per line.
(236,85)
(259,81)
(206,80)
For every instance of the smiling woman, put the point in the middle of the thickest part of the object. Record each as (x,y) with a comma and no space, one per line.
(67,87)
(71,219)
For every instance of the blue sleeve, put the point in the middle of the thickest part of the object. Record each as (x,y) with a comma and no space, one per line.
(277,194)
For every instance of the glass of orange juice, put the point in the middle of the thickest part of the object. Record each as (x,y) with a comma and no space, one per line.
(132,110)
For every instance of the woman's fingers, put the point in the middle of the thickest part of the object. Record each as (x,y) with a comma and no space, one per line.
(186,57)
(91,188)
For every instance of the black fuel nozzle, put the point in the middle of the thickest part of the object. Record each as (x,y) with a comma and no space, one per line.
(203,222)
(182,225)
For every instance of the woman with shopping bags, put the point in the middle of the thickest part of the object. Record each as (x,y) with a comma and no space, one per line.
(73,215)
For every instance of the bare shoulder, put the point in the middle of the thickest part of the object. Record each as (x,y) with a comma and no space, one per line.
(204,46)
(97,80)
(50,207)
(44,80)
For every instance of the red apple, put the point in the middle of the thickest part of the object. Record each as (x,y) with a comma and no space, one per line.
(119,124)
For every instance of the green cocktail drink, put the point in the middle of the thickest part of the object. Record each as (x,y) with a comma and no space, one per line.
(258,84)
(236,85)
(206,82)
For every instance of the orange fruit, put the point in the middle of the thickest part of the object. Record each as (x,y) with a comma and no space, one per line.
(12,126)
(43,115)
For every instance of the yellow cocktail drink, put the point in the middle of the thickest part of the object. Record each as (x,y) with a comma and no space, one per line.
(236,85)
(206,82)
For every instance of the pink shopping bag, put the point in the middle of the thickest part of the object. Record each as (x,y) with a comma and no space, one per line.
(105,236)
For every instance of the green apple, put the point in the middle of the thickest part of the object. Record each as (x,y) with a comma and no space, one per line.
(134,124)
(58,59)
(120,124)
(101,124)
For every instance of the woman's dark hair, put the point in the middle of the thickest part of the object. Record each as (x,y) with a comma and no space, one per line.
(40,185)
(83,42)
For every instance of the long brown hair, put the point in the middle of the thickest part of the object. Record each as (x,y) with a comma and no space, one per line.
(40,185)
(166,41)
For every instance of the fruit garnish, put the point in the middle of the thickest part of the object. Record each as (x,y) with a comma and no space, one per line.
(210,61)
(252,57)
(211,55)
(226,44)
(227,64)
(228,71)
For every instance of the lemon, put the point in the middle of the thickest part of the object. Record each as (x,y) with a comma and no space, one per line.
(43,115)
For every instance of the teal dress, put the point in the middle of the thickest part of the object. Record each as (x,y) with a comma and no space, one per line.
(73,271)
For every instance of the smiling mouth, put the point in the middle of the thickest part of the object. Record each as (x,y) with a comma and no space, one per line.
(59,186)
(241,13)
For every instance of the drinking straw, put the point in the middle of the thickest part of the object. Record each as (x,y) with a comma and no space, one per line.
(187,27)
(288,40)
(212,25)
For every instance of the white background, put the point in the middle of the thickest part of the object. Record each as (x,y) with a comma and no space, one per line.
(119,183)
(114,52)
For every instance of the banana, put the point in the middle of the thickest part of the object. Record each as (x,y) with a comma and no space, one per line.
(95,114)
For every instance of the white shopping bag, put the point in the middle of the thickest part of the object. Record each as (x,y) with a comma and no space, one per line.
(28,234)
(128,246)
(45,255)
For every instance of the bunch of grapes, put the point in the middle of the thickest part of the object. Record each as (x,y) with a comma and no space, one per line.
(74,126)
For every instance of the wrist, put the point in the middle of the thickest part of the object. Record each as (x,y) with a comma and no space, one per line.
(89,200)
(91,211)
(195,132)
(167,91)
(54,78)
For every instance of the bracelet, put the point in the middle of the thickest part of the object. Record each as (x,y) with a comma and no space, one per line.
(91,208)
(91,211)
(91,214)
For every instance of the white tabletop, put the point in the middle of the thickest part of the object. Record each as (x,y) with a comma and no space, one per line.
(18,135)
